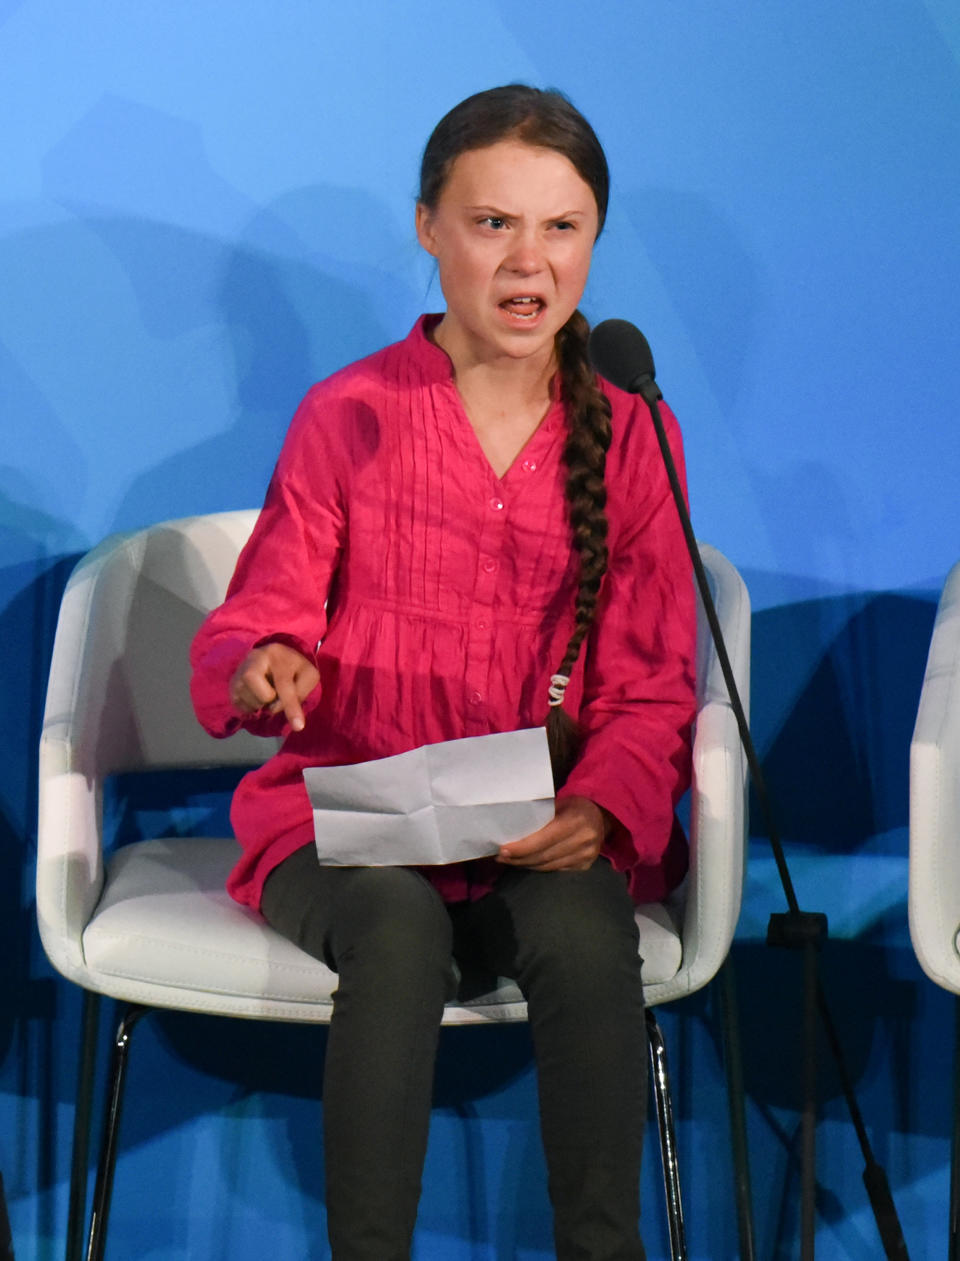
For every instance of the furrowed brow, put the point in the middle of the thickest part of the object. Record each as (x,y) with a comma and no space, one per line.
(492,211)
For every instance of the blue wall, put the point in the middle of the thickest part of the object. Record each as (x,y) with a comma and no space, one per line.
(204,208)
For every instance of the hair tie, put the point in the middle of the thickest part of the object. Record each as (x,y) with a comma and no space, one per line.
(558,685)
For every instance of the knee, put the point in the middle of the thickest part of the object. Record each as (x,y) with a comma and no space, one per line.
(393,919)
(579,942)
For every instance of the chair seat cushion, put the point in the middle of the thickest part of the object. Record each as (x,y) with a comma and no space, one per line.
(166,933)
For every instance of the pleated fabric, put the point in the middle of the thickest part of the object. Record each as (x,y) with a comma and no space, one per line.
(437,599)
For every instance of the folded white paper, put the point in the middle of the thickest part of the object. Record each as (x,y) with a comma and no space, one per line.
(442,803)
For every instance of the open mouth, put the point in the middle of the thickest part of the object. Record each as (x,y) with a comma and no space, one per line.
(523,308)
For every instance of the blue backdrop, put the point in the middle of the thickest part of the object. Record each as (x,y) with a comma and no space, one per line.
(205,207)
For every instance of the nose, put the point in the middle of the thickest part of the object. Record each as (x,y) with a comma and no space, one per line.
(526,255)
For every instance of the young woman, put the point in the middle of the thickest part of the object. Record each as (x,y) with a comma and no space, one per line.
(469,532)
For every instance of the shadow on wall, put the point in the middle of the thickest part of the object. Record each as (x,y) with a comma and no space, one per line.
(37,553)
(38,548)
(30,589)
(177,353)
(835,687)
(285,1059)
(286,321)
(190,355)
(836,683)
(29,598)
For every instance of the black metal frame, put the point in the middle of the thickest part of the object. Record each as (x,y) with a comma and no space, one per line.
(96,1238)
(668,1138)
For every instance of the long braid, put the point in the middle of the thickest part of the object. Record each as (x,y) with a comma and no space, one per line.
(585,455)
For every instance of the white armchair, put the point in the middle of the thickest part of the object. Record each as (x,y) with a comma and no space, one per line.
(934,895)
(151,924)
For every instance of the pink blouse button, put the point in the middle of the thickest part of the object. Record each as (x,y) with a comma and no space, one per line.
(496,504)
(529,466)
(489,565)
(476,698)
(481,623)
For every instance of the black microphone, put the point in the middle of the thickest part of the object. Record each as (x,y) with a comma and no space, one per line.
(621,353)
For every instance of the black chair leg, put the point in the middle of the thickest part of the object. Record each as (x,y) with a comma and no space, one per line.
(6,1235)
(97,1239)
(733,1066)
(81,1126)
(668,1141)
(954,1244)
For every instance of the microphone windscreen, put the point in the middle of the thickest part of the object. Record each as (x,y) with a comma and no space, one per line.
(621,353)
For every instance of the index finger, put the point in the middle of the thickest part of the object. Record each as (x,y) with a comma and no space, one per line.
(289,701)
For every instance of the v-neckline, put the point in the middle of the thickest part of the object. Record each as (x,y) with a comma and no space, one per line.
(542,436)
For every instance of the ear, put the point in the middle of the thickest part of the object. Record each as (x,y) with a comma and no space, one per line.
(425,229)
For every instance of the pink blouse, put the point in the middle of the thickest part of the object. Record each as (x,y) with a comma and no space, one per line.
(437,600)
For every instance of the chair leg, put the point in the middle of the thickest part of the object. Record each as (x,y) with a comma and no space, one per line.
(954,1244)
(668,1142)
(81,1126)
(733,1066)
(6,1235)
(97,1239)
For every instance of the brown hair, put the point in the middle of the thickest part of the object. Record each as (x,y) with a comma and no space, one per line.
(546,119)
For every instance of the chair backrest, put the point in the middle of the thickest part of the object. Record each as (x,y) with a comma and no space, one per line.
(934,896)
(129,612)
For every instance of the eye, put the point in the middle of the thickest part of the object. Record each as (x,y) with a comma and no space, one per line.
(493,221)
(564,225)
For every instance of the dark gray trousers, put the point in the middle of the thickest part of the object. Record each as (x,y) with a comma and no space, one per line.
(570,941)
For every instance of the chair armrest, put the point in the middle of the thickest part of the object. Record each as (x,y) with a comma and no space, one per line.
(718,812)
(934,894)
(718,818)
(69,852)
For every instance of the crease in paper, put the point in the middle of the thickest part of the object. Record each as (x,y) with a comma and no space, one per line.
(442,803)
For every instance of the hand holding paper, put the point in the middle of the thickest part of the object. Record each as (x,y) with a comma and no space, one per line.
(571,840)
(442,803)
